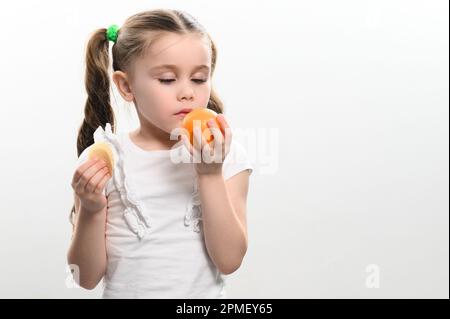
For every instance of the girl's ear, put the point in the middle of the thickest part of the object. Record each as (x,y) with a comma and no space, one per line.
(121,80)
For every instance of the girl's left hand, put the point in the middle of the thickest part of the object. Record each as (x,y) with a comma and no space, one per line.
(208,158)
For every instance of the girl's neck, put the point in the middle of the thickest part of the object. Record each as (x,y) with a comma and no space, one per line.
(152,138)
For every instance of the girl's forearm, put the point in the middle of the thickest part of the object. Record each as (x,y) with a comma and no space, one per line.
(224,234)
(87,252)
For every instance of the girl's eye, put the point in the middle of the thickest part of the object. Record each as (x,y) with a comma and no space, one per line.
(166,81)
(199,81)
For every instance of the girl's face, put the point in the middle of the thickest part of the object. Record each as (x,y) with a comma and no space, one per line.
(174,75)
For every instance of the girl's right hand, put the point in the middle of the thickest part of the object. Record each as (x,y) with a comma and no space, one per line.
(88,183)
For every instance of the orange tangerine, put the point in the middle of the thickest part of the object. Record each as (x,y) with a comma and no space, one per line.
(199,117)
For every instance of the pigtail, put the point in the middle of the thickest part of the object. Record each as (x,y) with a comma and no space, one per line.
(97,110)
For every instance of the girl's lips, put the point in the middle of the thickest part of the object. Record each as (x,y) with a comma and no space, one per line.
(181,114)
(186,110)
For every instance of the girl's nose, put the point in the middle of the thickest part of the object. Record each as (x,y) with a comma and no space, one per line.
(186,93)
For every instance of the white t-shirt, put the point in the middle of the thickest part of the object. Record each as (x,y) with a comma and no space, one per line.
(154,239)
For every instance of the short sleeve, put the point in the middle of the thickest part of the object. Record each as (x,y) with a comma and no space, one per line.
(236,161)
(83,158)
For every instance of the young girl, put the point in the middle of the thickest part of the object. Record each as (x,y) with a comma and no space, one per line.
(155,227)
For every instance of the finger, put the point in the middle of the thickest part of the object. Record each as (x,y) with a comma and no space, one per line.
(197,139)
(206,150)
(92,184)
(215,131)
(101,185)
(88,173)
(222,122)
(227,132)
(217,145)
(187,143)
(81,169)
(227,146)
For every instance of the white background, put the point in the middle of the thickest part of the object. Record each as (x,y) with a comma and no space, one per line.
(357,91)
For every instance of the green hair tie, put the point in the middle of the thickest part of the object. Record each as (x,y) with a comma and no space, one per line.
(112,32)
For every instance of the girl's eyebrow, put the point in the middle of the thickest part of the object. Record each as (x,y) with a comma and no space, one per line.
(174,67)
